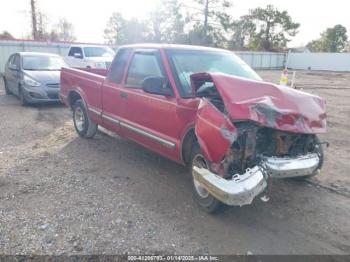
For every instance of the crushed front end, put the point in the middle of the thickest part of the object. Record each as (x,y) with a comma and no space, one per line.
(276,139)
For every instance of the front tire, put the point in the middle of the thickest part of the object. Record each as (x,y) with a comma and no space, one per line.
(209,203)
(82,123)
(21,97)
(7,90)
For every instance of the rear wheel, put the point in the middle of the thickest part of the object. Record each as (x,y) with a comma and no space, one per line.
(82,123)
(7,90)
(201,195)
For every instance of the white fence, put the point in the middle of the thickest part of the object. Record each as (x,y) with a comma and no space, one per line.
(263,60)
(9,47)
(257,60)
(319,61)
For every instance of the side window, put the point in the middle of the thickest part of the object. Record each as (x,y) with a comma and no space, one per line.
(142,66)
(10,61)
(75,50)
(117,68)
(16,61)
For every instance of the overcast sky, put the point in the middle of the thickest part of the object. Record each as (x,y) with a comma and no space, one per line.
(89,17)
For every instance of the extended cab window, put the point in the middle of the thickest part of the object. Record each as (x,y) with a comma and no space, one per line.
(143,65)
(117,68)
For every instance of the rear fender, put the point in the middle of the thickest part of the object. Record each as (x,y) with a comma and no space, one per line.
(214,131)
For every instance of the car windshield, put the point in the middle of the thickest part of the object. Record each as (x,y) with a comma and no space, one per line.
(188,62)
(98,52)
(43,63)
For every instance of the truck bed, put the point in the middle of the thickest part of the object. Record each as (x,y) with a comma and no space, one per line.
(85,81)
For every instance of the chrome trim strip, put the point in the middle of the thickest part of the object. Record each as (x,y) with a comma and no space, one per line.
(95,111)
(158,139)
(155,138)
(111,119)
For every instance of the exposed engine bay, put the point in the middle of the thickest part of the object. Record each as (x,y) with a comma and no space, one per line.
(255,143)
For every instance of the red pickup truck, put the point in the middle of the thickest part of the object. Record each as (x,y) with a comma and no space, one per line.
(205,108)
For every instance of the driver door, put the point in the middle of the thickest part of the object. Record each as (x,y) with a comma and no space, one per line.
(149,119)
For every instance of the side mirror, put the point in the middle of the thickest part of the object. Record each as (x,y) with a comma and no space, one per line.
(13,67)
(78,55)
(156,85)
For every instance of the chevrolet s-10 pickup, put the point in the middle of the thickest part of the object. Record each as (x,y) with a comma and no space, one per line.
(204,108)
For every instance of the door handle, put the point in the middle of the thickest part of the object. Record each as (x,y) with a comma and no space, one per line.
(123,95)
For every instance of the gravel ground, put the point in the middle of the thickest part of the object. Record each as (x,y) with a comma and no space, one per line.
(60,194)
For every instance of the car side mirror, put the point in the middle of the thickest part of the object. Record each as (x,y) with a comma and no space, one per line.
(78,55)
(13,67)
(156,85)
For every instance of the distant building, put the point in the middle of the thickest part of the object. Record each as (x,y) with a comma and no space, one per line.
(300,49)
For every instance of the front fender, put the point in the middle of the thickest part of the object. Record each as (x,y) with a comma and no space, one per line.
(214,131)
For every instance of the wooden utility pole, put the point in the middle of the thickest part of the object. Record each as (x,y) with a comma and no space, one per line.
(34,21)
(206,15)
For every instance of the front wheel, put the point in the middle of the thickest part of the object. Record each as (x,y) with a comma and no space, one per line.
(21,97)
(209,203)
(7,90)
(82,123)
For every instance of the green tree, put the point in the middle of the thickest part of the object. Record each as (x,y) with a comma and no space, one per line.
(272,28)
(135,31)
(243,30)
(166,23)
(115,29)
(65,30)
(175,31)
(5,35)
(332,40)
(212,21)
(120,31)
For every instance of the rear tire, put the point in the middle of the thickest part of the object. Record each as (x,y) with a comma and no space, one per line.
(82,123)
(7,90)
(209,203)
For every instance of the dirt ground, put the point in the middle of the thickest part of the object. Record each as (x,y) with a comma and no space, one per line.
(60,194)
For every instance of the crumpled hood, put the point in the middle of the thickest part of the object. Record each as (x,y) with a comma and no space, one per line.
(274,106)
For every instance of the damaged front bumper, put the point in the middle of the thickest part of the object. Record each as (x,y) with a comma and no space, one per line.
(288,167)
(242,189)
(238,191)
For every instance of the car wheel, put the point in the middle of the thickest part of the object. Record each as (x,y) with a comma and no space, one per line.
(21,97)
(82,123)
(7,90)
(209,203)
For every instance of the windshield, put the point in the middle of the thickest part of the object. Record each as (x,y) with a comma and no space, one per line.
(43,63)
(98,52)
(188,62)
